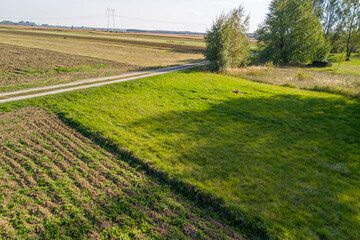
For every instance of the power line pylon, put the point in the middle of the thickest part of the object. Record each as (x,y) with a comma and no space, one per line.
(110,12)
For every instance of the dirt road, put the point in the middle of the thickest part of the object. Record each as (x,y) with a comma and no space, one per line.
(88,83)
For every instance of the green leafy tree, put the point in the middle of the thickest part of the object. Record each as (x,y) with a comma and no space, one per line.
(226,43)
(292,33)
(351,24)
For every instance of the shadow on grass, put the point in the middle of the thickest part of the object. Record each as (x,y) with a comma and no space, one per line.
(289,160)
(288,163)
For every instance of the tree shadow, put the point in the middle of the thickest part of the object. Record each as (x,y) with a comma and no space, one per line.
(291,160)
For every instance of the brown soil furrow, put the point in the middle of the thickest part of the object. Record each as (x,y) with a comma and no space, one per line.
(104,166)
(13,170)
(63,165)
(5,178)
(70,148)
(31,182)
(94,177)
(49,165)
(6,229)
(80,183)
(81,143)
(40,176)
(42,157)
(69,157)
(15,163)
(26,184)
(108,162)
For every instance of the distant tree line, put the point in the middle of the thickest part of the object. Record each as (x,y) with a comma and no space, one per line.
(294,31)
(21,23)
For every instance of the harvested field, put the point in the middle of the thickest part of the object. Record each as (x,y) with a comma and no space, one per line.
(55,183)
(176,47)
(22,67)
(142,35)
(142,56)
(198,38)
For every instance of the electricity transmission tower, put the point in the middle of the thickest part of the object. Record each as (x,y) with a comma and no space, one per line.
(110,13)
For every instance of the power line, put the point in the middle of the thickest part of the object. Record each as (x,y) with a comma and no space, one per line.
(160,21)
(110,12)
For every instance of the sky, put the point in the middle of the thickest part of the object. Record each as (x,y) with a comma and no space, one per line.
(175,15)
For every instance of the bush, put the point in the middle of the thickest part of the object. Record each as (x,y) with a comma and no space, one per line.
(226,43)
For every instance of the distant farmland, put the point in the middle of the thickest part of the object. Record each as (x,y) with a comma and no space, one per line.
(41,56)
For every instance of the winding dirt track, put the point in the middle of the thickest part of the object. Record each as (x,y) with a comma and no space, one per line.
(89,83)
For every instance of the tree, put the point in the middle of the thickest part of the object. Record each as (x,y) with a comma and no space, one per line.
(292,33)
(319,7)
(331,14)
(226,43)
(351,26)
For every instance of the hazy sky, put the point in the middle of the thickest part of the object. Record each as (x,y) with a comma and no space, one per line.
(190,15)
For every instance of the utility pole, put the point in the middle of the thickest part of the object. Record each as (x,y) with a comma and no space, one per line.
(110,12)
(113,11)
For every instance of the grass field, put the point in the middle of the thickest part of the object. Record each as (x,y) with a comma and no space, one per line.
(253,44)
(343,78)
(286,157)
(57,184)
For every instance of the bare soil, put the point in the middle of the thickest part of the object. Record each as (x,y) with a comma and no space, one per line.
(56,184)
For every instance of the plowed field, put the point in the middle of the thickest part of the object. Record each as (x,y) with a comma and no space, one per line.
(57,184)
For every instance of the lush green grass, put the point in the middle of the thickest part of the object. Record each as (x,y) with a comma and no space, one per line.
(288,156)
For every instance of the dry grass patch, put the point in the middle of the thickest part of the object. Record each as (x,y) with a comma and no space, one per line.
(303,78)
